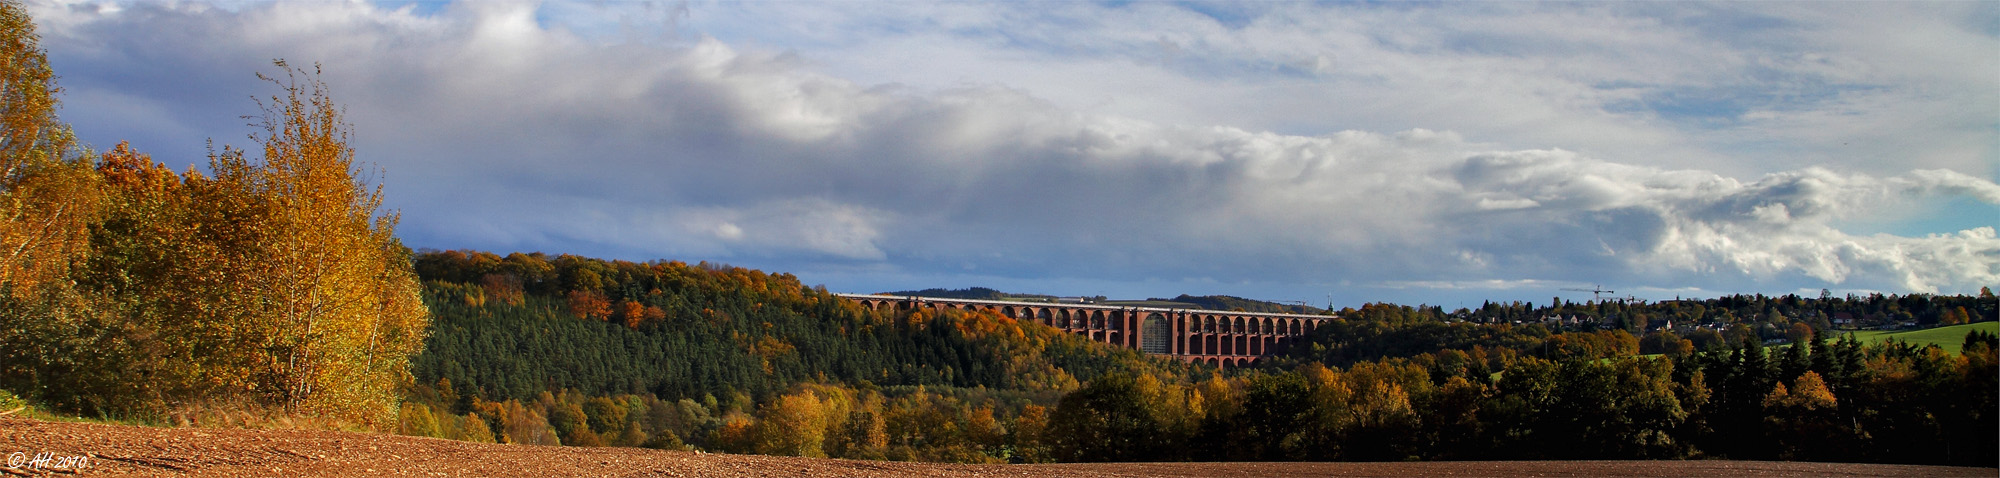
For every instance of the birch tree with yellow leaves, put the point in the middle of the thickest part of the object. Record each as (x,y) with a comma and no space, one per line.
(46,193)
(334,307)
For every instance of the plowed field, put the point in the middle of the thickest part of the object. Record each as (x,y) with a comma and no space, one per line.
(42,448)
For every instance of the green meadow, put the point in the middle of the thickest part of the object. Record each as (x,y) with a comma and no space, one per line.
(1951,338)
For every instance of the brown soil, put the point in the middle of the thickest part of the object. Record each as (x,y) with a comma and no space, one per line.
(129,450)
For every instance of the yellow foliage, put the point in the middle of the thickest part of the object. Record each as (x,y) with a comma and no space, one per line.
(279,281)
(276,279)
(476,430)
(795,424)
(523,425)
(982,429)
(47,197)
(334,301)
(417,420)
(1809,392)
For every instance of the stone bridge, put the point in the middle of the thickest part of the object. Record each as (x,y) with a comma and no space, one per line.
(1214,337)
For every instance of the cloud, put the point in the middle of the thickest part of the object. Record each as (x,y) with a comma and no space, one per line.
(1693,84)
(1944,181)
(1775,229)
(501,128)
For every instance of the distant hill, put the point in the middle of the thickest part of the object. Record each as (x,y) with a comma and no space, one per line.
(1184,301)
(1224,302)
(971,293)
(572,350)
(516,326)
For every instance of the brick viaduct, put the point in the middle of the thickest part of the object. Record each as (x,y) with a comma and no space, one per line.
(1214,337)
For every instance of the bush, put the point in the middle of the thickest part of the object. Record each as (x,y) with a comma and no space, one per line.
(11,404)
(416,419)
(665,440)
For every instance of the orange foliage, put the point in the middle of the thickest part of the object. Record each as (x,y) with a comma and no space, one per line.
(505,288)
(633,312)
(589,305)
(131,170)
(738,434)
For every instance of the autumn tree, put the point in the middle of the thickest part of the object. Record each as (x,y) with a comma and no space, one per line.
(795,424)
(275,281)
(47,194)
(335,305)
(589,304)
(604,415)
(572,424)
(502,288)
(1027,438)
(127,289)
(1121,417)
(52,337)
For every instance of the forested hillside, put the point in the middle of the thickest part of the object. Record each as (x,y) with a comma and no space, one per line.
(681,350)
(681,330)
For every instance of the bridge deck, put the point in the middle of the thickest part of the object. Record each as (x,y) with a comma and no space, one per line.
(1018,303)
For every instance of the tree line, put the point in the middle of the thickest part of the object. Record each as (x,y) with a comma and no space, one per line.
(1823,400)
(1767,317)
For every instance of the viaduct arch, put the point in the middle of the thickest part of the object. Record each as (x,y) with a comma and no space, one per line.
(1215,337)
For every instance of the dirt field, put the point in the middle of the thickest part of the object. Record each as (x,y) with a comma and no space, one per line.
(41,448)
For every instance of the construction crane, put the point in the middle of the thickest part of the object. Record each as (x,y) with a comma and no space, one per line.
(1596,292)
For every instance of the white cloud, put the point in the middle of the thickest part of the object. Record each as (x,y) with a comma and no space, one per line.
(500,129)
(1636,82)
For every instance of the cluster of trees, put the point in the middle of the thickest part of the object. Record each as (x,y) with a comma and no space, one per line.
(126,289)
(1390,330)
(1767,317)
(1377,331)
(902,423)
(1841,401)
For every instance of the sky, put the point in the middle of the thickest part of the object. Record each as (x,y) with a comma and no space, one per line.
(1328,152)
